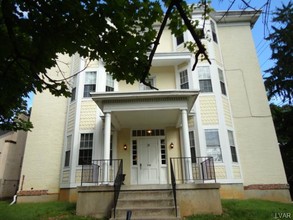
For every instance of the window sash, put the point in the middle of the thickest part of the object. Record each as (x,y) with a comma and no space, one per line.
(85,157)
(184,80)
(90,77)
(67,158)
(109,83)
(88,89)
(213,145)
(205,85)
(214,34)
(180,39)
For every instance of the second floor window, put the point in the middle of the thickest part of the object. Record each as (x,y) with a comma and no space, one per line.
(67,152)
(151,81)
(109,83)
(89,83)
(204,76)
(184,80)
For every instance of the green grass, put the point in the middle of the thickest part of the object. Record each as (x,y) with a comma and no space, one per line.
(39,211)
(232,210)
(250,210)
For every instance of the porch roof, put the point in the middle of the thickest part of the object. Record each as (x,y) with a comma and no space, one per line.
(148,109)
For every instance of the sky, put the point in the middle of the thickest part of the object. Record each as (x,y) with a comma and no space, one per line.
(259,32)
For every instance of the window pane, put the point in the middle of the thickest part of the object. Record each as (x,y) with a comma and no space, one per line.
(214,32)
(85,157)
(90,77)
(73,94)
(205,85)
(213,145)
(184,79)
(67,158)
(203,72)
(88,89)
(180,39)
(231,138)
(233,154)
(109,83)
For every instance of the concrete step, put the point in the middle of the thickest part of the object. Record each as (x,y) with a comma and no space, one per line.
(126,203)
(146,204)
(146,194)
(146,212)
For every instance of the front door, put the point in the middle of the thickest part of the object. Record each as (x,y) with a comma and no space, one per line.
(148,161)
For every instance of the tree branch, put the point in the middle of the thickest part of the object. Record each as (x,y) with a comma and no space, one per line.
(201,48)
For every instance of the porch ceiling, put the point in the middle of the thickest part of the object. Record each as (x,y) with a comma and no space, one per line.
(146,109)
(171,59)
(146,119)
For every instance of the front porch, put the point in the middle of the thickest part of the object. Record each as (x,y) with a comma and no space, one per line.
(192,189)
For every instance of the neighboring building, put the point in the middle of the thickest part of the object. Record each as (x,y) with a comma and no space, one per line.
(12,146)
(219,110)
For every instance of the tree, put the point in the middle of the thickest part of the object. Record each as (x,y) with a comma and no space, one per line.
(119,32)
(280,82)
(283,121)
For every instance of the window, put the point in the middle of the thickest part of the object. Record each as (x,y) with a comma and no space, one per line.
(192,147)
(213,144)
(180,39)
(134,152)
(85,149)
(215,39)
(67,152)
(163,152)
(204,76)
(73,91)
(151,81)
(89,84)
(222,82)
(232,147)
(184,79)
(109,83)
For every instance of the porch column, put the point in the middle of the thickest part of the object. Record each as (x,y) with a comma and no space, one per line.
(107,139)
(186,146)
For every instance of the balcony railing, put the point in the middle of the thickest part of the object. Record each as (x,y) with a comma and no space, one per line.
(197,169)
(100,172)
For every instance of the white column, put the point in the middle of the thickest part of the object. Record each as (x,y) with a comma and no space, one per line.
(107,139)
(186,145)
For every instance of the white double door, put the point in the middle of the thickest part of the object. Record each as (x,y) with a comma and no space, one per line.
(148,171)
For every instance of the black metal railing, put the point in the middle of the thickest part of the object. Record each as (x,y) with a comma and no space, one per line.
(173,181)
(100,172)
(117,184)
(197,169)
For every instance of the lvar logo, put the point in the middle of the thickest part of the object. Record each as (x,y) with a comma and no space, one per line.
(282,215)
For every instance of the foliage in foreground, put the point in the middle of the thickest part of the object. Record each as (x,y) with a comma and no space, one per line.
(39,211)
(249,210)
(232,209)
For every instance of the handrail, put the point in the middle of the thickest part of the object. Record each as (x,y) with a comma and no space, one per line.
(117,184)
(173,180)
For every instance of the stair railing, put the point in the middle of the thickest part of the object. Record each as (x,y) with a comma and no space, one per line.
(117,184)
(173,181)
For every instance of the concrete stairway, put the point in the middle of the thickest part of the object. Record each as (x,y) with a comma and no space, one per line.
(146,205)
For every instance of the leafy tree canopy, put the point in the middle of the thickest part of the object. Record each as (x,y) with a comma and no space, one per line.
(119,32)
(280,81)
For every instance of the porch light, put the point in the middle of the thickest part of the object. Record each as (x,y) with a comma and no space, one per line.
(171,145)
(125,147)
(149,131)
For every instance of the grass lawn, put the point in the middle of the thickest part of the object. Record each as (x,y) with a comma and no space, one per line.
(250,210)
(232,209)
